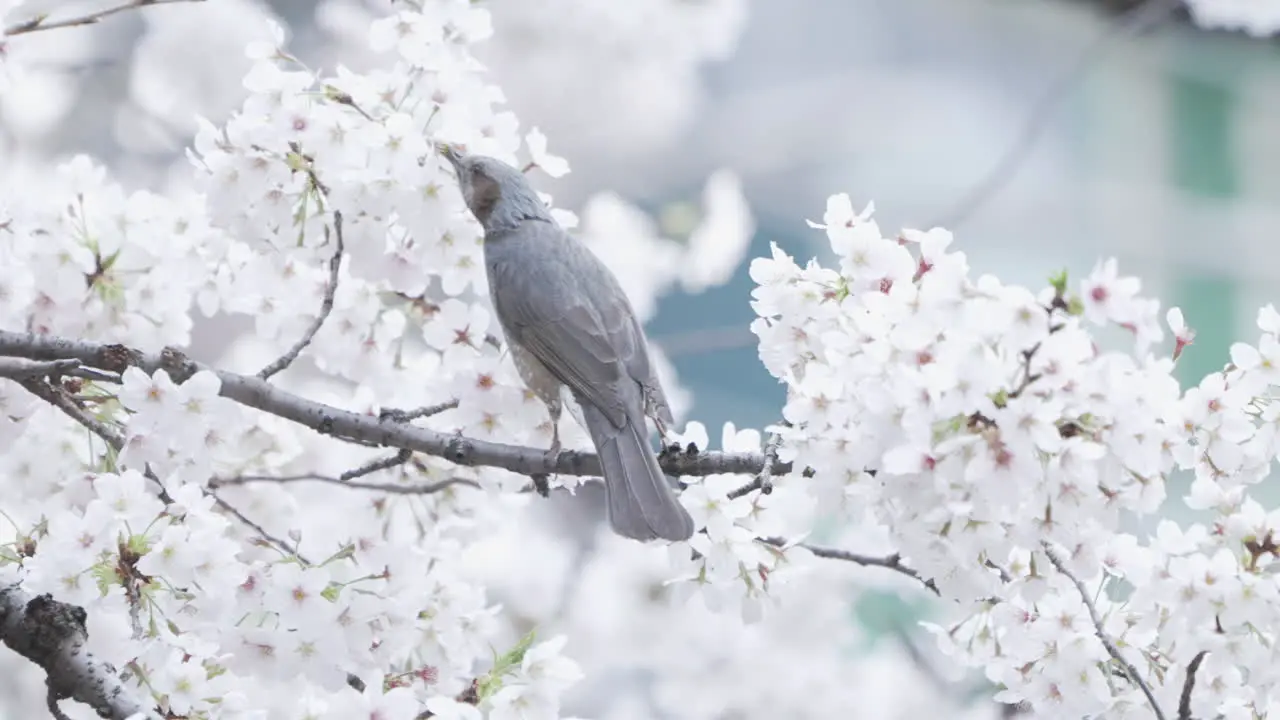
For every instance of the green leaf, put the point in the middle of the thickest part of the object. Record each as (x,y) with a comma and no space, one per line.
(503,666)
(105,575)
(1001,398)
(138,544)
(331,591)
(515,655)
(1058,281)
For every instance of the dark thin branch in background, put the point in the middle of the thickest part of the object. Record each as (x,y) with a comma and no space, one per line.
(1127,667)
(389,488)
(1184,702)
(40,22)
(277,543)
(892,561)
(326,305)
(1140,19)
(348,478)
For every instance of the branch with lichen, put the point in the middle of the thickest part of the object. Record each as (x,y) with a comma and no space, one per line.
(52,634)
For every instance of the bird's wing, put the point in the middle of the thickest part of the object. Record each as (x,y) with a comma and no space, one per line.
(549,299)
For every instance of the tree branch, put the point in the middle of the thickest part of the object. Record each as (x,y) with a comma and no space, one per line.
(1184,702)
(52,635)
(326,305)
(892,561)
(39,24)
(1130,671)
(256,393)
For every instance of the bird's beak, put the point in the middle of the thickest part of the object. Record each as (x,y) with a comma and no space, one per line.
(451,154)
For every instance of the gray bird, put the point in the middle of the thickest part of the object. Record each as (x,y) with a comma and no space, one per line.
(568,323)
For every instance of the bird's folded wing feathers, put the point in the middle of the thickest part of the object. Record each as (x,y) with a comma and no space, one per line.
(561,326)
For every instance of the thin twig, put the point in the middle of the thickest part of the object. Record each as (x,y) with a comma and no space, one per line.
(1136,21)
(1184,702)
(892,561)
(364,429)
(326,306)
(39,24)
(390,488)
(764,479)
(393,415)
(401,457)
(1130,671)
(60,400)
(279,544)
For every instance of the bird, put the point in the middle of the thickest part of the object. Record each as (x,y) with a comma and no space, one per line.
(568,324)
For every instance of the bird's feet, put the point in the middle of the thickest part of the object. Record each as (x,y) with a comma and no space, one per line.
(552,456)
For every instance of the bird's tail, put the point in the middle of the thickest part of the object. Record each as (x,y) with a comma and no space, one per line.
(642,505)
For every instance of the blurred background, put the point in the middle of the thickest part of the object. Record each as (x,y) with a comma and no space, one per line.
(1045,133)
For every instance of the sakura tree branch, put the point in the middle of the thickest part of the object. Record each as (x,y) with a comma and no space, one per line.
(1127,667)
(326,305)
(1188,686)
(41,22)
(892,561)
(52,634)
(365,429)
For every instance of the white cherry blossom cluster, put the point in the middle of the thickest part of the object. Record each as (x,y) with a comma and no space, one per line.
(100,262)
(986,427)
(633,69)
(213,617)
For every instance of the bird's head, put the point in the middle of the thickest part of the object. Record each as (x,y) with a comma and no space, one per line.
(496,193)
